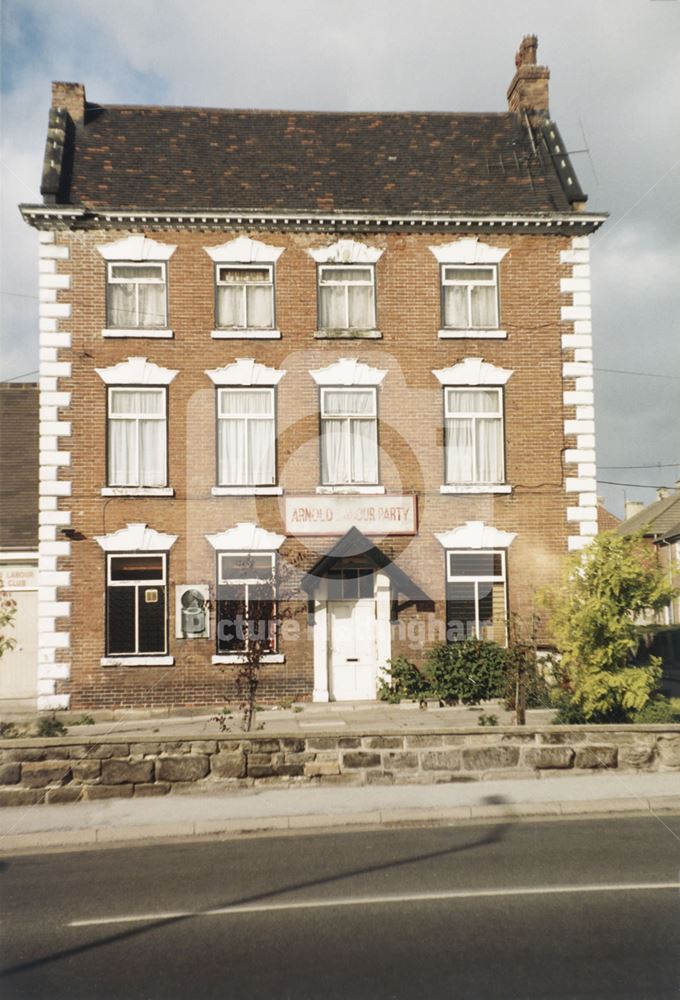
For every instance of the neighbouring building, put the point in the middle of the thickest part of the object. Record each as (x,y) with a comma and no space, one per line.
(328,370)
(19,544)
(660,524)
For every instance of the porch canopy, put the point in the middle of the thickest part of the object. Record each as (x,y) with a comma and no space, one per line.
(355,546)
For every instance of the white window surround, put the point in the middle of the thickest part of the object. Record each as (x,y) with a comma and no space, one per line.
(136,537)
(137,661)
(346,252)
(473,371)
(246,537)
(475,535)
(244,250)
(348,372)
(365,490)
(141,331)
(227,658)
(245,372)
(137,491)
(469,251)
(247,491)
(135,249)
(136,371)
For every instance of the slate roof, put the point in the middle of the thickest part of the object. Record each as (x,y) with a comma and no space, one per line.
(18,465)
(385,163)
(656,519)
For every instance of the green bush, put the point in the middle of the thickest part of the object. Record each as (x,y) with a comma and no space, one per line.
(403,680)
(467,672)
(658,710)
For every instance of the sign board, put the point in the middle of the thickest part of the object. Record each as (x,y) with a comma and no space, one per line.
(18,576)
(336,514)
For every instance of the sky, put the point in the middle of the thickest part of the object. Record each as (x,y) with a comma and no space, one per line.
(614,89)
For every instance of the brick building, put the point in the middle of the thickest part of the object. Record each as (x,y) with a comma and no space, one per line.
(19,545)
(328,369)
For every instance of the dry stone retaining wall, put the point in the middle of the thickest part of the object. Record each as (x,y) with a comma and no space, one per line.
(69,769)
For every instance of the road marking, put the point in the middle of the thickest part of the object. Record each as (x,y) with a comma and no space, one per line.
(415,897)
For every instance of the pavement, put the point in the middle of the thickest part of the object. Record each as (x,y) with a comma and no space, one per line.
(302,718)
(242,811)
(232,811)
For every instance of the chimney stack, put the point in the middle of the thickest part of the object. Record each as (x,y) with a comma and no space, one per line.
(70,97)
(663,493)
(632,507)
(528,92)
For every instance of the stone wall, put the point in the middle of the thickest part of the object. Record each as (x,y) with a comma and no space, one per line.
(69,769)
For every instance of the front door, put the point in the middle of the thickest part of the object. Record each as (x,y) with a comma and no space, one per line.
(352,651)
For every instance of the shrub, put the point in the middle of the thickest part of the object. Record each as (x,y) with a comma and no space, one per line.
(467,672)
(657,710)
(403,680)
(594,613)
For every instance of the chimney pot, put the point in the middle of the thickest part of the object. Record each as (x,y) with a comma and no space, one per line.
(70,97)
(663,493)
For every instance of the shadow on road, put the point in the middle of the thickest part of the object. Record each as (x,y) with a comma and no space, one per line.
(491,836)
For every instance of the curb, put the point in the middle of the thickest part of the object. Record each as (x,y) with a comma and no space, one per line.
(320,821)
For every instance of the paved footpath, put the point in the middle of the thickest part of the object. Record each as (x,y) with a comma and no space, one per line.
(295,808)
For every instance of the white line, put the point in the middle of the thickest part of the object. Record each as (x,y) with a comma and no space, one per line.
(416,897)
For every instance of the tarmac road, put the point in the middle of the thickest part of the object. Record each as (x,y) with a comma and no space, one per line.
(569,908)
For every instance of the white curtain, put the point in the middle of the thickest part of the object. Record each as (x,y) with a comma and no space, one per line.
(245,438)
(259,306)
(332,307)
(360,307)
(122,311)
(137,438)
(474,444)
(483,304)
(230,306)
(455,307)
(141,302)
(349,451)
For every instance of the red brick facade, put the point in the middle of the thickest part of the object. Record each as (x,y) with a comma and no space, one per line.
(542,340)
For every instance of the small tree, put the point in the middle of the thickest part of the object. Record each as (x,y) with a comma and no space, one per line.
(595,616)
(260,636)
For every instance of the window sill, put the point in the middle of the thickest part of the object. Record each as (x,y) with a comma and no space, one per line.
(245,334)
(138,491)
(347,335)
(477,488)
(137,661)
(228,658)
(247,491)
(368,490)
(137,332)
(473,334)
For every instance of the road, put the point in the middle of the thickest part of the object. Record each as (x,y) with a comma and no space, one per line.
(544,909)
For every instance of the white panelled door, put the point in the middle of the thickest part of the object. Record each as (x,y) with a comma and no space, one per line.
(352,650)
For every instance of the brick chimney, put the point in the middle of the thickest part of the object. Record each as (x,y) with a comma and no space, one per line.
(70,97)
(528,92)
